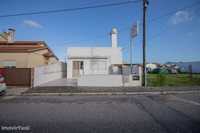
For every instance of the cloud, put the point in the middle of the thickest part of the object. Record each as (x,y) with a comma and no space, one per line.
(32,24)
(180,17)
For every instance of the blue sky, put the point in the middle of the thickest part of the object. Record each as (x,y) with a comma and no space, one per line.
(171,38)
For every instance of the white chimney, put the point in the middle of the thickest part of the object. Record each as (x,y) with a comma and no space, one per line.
(114,37)
(11,35)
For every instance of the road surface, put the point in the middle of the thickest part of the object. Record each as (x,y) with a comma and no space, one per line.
(101,114)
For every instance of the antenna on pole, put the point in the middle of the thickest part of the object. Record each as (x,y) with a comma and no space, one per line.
(133,34)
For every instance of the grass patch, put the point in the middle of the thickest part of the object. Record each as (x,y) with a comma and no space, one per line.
(173,80)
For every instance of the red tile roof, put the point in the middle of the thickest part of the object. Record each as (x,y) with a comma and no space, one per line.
(24,47)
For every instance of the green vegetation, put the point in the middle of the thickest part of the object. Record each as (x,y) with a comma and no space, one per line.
(164,79)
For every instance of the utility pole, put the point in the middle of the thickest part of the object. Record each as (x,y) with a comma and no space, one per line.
(144,78)
(131,54)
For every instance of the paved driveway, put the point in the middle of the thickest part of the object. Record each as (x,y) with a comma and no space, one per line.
(103,114)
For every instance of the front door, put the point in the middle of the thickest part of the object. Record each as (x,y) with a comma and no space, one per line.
(77,68)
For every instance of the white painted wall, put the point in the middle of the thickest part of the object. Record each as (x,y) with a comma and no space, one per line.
(88,55)
(114,54)
(100,80)
(69,69)
(89,68)
(132,82)
(48,73)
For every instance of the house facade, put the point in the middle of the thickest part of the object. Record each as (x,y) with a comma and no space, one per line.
(100,66)
(93,60)
(24,54)
(19,60)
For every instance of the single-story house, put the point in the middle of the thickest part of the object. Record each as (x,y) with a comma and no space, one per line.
(93,60)
(19,58)
(97,66)
(24,54)
(90,61)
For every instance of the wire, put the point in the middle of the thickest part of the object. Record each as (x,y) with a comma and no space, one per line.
(165,29)
(172,12)
(157,18)
(70,9)
(164,15)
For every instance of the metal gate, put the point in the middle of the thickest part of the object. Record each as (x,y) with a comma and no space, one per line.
(17,76)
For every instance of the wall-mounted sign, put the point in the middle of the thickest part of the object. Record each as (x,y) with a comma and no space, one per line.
(135,70)
(135,77)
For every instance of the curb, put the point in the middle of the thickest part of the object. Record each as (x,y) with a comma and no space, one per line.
(110,93)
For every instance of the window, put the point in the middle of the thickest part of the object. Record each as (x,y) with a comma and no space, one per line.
(99,66)
(8,64)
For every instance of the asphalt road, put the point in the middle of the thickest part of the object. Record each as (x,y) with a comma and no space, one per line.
(101,114)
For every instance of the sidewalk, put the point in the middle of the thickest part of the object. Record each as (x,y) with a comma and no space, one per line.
(15,91)
(69,90)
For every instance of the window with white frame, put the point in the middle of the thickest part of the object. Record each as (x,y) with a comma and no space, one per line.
(99,66)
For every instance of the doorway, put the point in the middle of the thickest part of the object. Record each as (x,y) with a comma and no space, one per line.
(78,69)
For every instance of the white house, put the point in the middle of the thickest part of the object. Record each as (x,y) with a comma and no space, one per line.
(90,61)
(93,60)
(96,66)
(151,66)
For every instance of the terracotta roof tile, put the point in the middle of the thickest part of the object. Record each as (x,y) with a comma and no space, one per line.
(24,46)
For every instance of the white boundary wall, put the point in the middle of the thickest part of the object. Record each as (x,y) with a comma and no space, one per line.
(44,74)
(100,80)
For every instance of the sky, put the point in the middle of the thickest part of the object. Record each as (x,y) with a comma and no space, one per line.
(172,37)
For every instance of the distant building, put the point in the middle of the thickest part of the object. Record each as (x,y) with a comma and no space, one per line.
(185,66)
(151,66)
